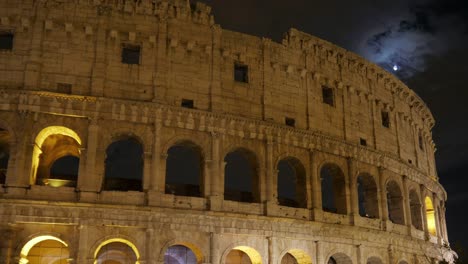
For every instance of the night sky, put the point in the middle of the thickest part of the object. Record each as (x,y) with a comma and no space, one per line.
(425,39)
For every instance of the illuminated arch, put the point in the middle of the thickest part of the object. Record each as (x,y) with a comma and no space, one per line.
(374,260)
(117,240)
(253,254)
(300,256)
(430,216)
(196,250)
(34,241)
(339,258)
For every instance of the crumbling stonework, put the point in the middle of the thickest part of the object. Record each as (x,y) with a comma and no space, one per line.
(66,88)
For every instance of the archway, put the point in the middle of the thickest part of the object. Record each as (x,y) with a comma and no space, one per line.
(296,256)
(45,249)
(430,216)
(333,189)
(415,208)
(339,258)
(184,170)
(240,176)
(291,183)
(395,203)
(374,260)
(5,139)
(243,255)
(367,196)
(52,144)
(116,251)
(181,254)
(124,166)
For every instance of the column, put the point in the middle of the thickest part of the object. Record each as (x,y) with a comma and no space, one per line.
(98,74)
(217,174)
(271,190)
(154,181)
(318,253)
(87,178)
(353,188)
(424,215)
(316,188)
(147,160)
(383,197)
(406,204)
(435,201)
(216,102)
(23,156)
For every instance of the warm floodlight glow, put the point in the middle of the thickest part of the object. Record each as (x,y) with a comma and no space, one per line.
(254,256)
(119,240)
(300,256)
(31,243)
(430,216)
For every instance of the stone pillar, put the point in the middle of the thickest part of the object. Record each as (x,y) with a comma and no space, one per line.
(317,211)
(83,246)
(147,160)
(19,175)
(319,258)
(271,174)
(150,252)
(33,67)
(216,102)
(435,202)
(87,178)
(406,204)
(98,74)
(424,214)
(359,259)
(217,174)
(154,182)
(353,188)
(161,71)
(7,245)
(383,198)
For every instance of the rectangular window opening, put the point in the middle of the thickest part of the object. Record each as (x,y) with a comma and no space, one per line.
(6,41)
(385,119)
(328,96)
(241,73)
(290,122)
(131,54)
(421,143)
(363,142)
(64,88)
(187,103)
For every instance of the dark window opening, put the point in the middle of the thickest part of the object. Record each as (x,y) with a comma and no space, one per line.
(367,196)
(4,154)
(187,103)
(410,161)
(124,166)
(64,171)
(64,88)
(395,203)
(184,165)
(131,54)
(333,189)
(416,210)
(421,142)
(363,142)
(6,41)
(240,177)
(385,119)
(288,258)
(291,183)
(179,254)
(328,96)
(290,122)
(241,73)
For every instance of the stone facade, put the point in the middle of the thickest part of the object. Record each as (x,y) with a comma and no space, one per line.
(67,87)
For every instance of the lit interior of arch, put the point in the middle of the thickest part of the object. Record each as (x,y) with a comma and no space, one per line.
(119,240)
(300,256)
(196,251)
(41,137)
(254,256)
(430,215)
(31,243)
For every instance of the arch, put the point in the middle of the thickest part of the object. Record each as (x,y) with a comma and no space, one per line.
(395,203)
(295,256)
(333,189)
(124,165)
(184,169)
(199,255)
(242,255)
(115,251)
(415,208)
(339,258)
(367,196)
(241,181)
(51,144)
(430,216)
(37,240)
(5,150)
(374,260)
(291,183)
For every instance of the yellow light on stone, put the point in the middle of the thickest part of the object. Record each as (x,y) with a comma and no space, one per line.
(254,256)
(430,216)
(120,240)
(31,243)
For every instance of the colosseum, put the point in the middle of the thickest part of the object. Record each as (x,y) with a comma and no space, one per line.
(140,131)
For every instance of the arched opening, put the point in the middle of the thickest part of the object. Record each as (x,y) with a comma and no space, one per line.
(296,256)
(184,170)
(415,207)
(5,139)
(339,258)
(430,216)
(56,157)
(45,249)
(240,176)
(374,260)
(243,255)
(124,166)
(395,203)
(291,184)
(367,196)
(116,252)
(333,189)
(180,254)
